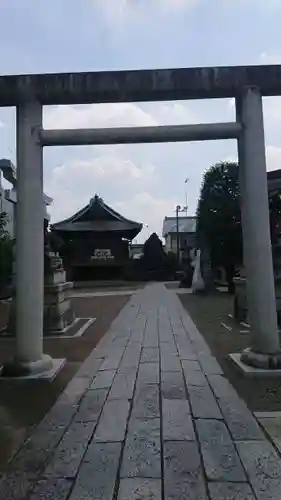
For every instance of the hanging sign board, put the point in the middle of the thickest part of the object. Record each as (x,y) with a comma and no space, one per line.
(102,254)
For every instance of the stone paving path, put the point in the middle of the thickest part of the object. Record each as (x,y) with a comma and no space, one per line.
(149,415)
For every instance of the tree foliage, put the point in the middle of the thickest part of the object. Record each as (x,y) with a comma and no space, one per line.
(153,253)
(219,216)
(6,253)
(3,224)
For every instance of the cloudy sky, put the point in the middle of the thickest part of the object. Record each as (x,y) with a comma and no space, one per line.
(144,182)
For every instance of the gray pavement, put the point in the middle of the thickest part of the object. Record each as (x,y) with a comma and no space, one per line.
(149,415)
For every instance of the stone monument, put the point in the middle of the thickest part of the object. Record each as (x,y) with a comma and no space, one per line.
(58,310)
(198,285)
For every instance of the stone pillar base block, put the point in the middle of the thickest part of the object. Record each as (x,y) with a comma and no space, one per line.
(260,360)
(17,368)
(253,371)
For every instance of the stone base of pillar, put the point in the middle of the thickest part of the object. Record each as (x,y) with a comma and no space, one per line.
(18,368)
(253,371)
(259,360)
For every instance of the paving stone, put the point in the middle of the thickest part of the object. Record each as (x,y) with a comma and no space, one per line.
(133,348)
(239,418)
(220,458)
(150,355)
(172,385)
(164,338)
(142,453)
(186,351)
(263,467)
(179,331)
(151,340)
(192,366)
(113,421)
(203,403)
(75,390)
(183,478)
(194,378)
(273,428)
(139,489)
(138,332)
(168,348)
(123,385)
(52,489)
(70,452)
(193,373)
(129,360)
(213,431)
(240,421)
(177,422)
(113,361)
(144,428)
(91,406)
(134,345)
(60,414)
(146,402)
(148,373)
(103,379)
(230,491)
(210,365)
(222,387)
(175,321)
(90,366)
(170,363)
(97,476)
(15,486)
(34,455)
(119,342)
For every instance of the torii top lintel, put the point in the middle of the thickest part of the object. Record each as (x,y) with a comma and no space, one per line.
(139,85)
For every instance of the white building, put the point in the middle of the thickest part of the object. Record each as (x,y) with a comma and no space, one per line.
(8,197)
(187,231)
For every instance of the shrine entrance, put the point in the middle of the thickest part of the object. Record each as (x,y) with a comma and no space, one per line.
(246,84)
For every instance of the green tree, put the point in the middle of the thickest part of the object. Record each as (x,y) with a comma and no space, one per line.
(153,253)
(219,218)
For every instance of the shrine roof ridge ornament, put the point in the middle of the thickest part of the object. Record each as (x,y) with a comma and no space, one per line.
(139,85)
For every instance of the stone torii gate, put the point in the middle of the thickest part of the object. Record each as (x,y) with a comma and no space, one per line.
(246,84)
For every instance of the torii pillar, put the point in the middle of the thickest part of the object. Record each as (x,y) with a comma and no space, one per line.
(29,358)
(265,349)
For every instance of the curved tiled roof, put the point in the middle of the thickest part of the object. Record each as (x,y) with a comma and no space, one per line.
(98,217)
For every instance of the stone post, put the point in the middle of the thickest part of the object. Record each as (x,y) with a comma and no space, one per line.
(29,357)
(264,352)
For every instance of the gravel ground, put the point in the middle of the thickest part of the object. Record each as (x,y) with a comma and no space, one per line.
(24,403)
(224,336)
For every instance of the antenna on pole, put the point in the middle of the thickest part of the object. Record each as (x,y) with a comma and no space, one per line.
(185,194)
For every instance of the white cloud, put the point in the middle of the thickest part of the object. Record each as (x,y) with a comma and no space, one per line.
(131,7)
(148,209)
(97,115)
(73,185)
(117,115)
(270,58)
(273,157)
(135,182)
(132,181)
